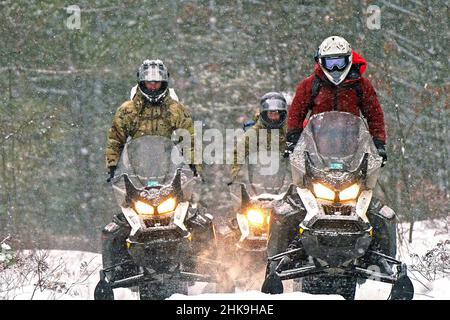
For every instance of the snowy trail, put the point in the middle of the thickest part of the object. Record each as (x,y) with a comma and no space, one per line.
(73,275)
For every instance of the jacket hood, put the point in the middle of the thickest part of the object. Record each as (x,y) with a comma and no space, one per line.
(359,61)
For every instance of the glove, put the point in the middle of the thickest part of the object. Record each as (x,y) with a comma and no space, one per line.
(234,176)
(194,169)
(381,150)
(288,150)
(112,169)
(291,141)
(382,153)
(196,172)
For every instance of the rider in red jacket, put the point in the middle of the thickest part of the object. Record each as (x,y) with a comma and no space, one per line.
(337,84)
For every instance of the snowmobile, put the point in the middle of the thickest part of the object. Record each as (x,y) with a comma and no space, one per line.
(328,231)
(253,198)
(169,242)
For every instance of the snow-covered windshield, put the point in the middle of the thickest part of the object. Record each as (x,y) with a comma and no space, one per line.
(268,176)
(334,141)
(335,137)
(149,161)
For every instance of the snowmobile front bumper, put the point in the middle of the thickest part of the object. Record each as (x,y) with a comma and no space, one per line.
(144,276)
(402,285)
(159,254)
(352,271)
(336,240)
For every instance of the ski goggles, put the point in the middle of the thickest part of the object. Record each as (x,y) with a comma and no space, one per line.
(335,63)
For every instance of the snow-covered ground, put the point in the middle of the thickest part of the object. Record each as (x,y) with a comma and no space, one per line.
(426,236)
(74,275)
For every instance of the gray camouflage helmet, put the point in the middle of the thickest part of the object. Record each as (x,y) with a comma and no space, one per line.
(273,101)
(153,70)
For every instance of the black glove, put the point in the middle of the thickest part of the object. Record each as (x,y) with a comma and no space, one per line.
(381,150)
(194,169)
(195,172)
(291,141)
(112,169)
(288,150)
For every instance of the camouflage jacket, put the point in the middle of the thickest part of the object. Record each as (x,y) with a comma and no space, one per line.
(137,117)
(236,167)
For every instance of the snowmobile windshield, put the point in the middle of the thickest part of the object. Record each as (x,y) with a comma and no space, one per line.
(267,173)
(334,141)
(149,161)
(335,137)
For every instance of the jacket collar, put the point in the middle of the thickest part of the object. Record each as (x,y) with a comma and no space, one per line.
(140,102)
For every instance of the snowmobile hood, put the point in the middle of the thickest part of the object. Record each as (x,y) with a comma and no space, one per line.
(358,61)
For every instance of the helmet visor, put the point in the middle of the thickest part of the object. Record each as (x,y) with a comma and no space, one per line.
(335,63)
(273,105)
(274,118)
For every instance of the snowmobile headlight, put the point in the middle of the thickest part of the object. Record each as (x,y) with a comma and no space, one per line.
(143,208)
(323,192)
(167,206)
(255,217)
(349,193)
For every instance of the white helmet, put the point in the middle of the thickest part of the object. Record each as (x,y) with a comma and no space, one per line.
(335,58)
(153,70)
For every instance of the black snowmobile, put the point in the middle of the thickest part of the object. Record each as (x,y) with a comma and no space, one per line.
(328,231)
(165,242)
(259,187)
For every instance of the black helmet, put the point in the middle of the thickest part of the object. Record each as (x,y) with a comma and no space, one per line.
(273,101)
(153,70)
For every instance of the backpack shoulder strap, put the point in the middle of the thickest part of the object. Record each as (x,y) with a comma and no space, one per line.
(316,85)
(359,95)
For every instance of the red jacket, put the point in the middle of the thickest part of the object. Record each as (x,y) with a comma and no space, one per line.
(341,98)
